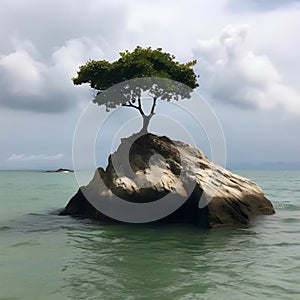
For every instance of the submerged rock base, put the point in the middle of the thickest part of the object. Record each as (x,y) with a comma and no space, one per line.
(149,167)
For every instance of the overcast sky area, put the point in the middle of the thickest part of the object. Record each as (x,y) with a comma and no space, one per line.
(248,61)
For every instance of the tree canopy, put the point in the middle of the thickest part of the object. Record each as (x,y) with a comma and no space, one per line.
(144,63)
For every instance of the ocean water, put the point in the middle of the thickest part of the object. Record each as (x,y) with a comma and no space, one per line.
(46,256)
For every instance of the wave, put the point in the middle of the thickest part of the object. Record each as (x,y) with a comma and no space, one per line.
(5,228)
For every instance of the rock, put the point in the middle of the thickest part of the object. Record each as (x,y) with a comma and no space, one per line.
(160,167)
(59,171)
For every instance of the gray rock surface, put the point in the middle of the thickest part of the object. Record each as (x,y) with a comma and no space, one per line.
(211,195)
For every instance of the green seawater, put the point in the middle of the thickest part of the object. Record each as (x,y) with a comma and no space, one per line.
(46,256)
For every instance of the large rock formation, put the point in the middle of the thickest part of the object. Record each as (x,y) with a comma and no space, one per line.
(157,167)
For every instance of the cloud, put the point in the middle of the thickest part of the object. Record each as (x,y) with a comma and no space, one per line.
(258,5)
(34,157)
(28,83)
(233,73)
(37,62)
(49,24)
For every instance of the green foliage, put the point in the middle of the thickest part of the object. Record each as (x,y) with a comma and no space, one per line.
(142,62)
(146,63)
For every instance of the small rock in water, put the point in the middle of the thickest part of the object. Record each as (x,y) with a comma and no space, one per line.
(61,170)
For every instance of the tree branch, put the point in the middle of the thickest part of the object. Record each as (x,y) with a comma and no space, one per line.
(140,106)
(153,105)
(129,104)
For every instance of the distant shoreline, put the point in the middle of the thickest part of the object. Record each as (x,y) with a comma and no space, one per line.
(266,166)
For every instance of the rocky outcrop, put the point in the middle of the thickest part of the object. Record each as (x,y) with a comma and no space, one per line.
(61,170)
(150,169)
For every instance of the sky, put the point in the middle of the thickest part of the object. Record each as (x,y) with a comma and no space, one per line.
(247,57)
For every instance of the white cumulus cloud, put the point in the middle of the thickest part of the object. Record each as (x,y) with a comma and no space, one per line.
(43,45)
(26,82)
(233,73)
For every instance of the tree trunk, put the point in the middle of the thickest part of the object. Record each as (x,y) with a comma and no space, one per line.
(146,121)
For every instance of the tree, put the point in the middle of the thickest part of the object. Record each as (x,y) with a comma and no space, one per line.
(144,63)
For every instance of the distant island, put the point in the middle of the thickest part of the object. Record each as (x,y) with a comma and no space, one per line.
(61,170)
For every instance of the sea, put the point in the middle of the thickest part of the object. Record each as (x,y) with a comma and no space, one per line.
(46,256)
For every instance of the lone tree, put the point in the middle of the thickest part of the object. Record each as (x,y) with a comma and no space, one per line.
(146,63)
